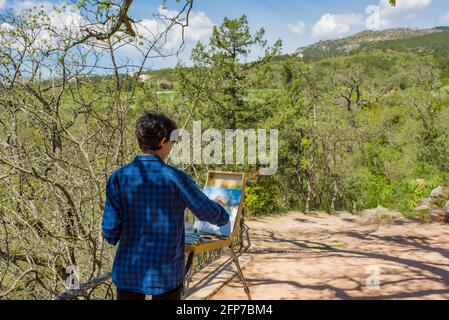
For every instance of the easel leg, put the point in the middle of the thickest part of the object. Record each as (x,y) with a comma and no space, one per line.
(241,231)
(239,271)
(187,275)
(244,229)
(248,239)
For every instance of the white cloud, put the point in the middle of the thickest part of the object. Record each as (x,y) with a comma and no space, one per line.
(61,15)
(59,24)
(382,16)
(332,25)
(2,4)
(6,27)
(199,27)
(298,27)
(68,21)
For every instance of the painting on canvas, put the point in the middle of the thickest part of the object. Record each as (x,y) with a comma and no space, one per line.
(230,200)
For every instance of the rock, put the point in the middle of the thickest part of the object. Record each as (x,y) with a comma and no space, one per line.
(388,212)
(424,204)
(380,213)
(436,215)
(440,192)
(443,216)
(422,182)
(439,215)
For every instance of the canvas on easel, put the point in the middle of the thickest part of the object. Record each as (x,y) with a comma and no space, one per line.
(227,189)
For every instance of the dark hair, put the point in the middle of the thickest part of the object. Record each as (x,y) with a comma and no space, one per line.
(151,128)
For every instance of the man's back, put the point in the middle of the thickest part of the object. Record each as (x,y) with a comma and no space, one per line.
(144,212)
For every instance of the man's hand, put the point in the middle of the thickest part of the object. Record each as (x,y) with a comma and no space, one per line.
(220,202)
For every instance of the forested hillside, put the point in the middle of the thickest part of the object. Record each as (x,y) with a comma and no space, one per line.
(430,40)
(357,129)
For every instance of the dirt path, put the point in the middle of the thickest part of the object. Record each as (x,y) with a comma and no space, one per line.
(331,255)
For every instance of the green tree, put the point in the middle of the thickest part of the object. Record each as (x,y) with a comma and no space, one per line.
(220,78)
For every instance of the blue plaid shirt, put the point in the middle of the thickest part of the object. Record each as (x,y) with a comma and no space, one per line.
(144,213)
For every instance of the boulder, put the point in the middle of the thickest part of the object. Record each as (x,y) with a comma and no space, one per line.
(424,204)
(436,215)
(422,182)
(387,212)
(380,213)
(439,215)
(440,192)
(444,217)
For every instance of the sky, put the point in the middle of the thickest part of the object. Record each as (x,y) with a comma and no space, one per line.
(297,22)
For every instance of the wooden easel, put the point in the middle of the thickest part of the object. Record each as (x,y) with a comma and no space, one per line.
(225,243)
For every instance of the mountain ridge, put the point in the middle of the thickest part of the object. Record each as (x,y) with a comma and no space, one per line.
(366,39)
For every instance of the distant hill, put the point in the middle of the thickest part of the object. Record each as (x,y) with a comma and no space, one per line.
(420,39)
(435,40)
